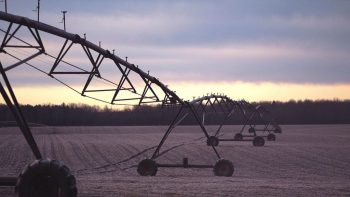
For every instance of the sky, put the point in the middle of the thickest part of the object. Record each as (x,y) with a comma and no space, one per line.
(247,49)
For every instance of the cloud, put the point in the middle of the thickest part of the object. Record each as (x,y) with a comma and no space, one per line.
(253,41)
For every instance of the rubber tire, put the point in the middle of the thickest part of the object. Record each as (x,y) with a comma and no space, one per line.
(271,137)
(213,141)
(223,167)
(258,141)
(278,129)
(238,137)
(251,130)
(44,178)
(147,167)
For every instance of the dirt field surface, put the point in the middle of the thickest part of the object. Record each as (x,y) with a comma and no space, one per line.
(306,160)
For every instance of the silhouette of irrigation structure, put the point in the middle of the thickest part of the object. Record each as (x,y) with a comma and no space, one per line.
(24,43)
(255,119)
(258,119)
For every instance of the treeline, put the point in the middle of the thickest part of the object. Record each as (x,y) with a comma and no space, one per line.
(292,112)
(310,112)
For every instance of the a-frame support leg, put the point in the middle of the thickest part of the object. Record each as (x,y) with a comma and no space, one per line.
(14,107)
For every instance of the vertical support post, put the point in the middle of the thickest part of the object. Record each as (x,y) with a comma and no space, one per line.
(64,19)
(38,10)
(185,162)
(16,111)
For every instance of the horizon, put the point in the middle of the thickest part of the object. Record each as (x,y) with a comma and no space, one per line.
(130,107)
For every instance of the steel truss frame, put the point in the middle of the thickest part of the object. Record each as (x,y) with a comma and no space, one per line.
(34,27)
(124,67)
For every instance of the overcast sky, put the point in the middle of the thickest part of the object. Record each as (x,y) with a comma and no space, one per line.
(250,41)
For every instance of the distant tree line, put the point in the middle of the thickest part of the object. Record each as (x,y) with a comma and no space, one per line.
(310,112)
(291,112)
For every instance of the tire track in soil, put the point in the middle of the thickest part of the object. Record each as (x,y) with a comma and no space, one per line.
(17,153)
(136,151)
(62,150)
(84,162)
(323,157)
(43,143)
(134,157)
(52,146)
(171,155)
(314,161)
(105,168)
(189,142)
(4,138)
(106,161)
(89,151)
(117,163)
(99,152)
(20,155)
(80,171)
(198,151)
(6,151)
(270,156)
(118,152)
(298,162)
(127,151)
(256,160)
(13,152)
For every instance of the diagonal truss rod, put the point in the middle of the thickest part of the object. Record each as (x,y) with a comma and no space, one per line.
(23,61)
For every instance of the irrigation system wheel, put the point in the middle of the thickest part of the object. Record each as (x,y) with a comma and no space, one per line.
(45,178)
(147,167)
(258,141)
(213,141)
(238,136)
(223,167)
(271,137)
(278,129)
(251,130)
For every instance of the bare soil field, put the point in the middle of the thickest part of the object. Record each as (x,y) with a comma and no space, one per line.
(306,160)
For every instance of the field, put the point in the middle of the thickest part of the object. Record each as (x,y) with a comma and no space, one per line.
(306,160)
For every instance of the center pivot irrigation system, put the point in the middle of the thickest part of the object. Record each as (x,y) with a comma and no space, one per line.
(106,78)
(45,177)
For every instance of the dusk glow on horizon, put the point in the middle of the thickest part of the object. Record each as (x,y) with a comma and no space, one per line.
(253,50)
